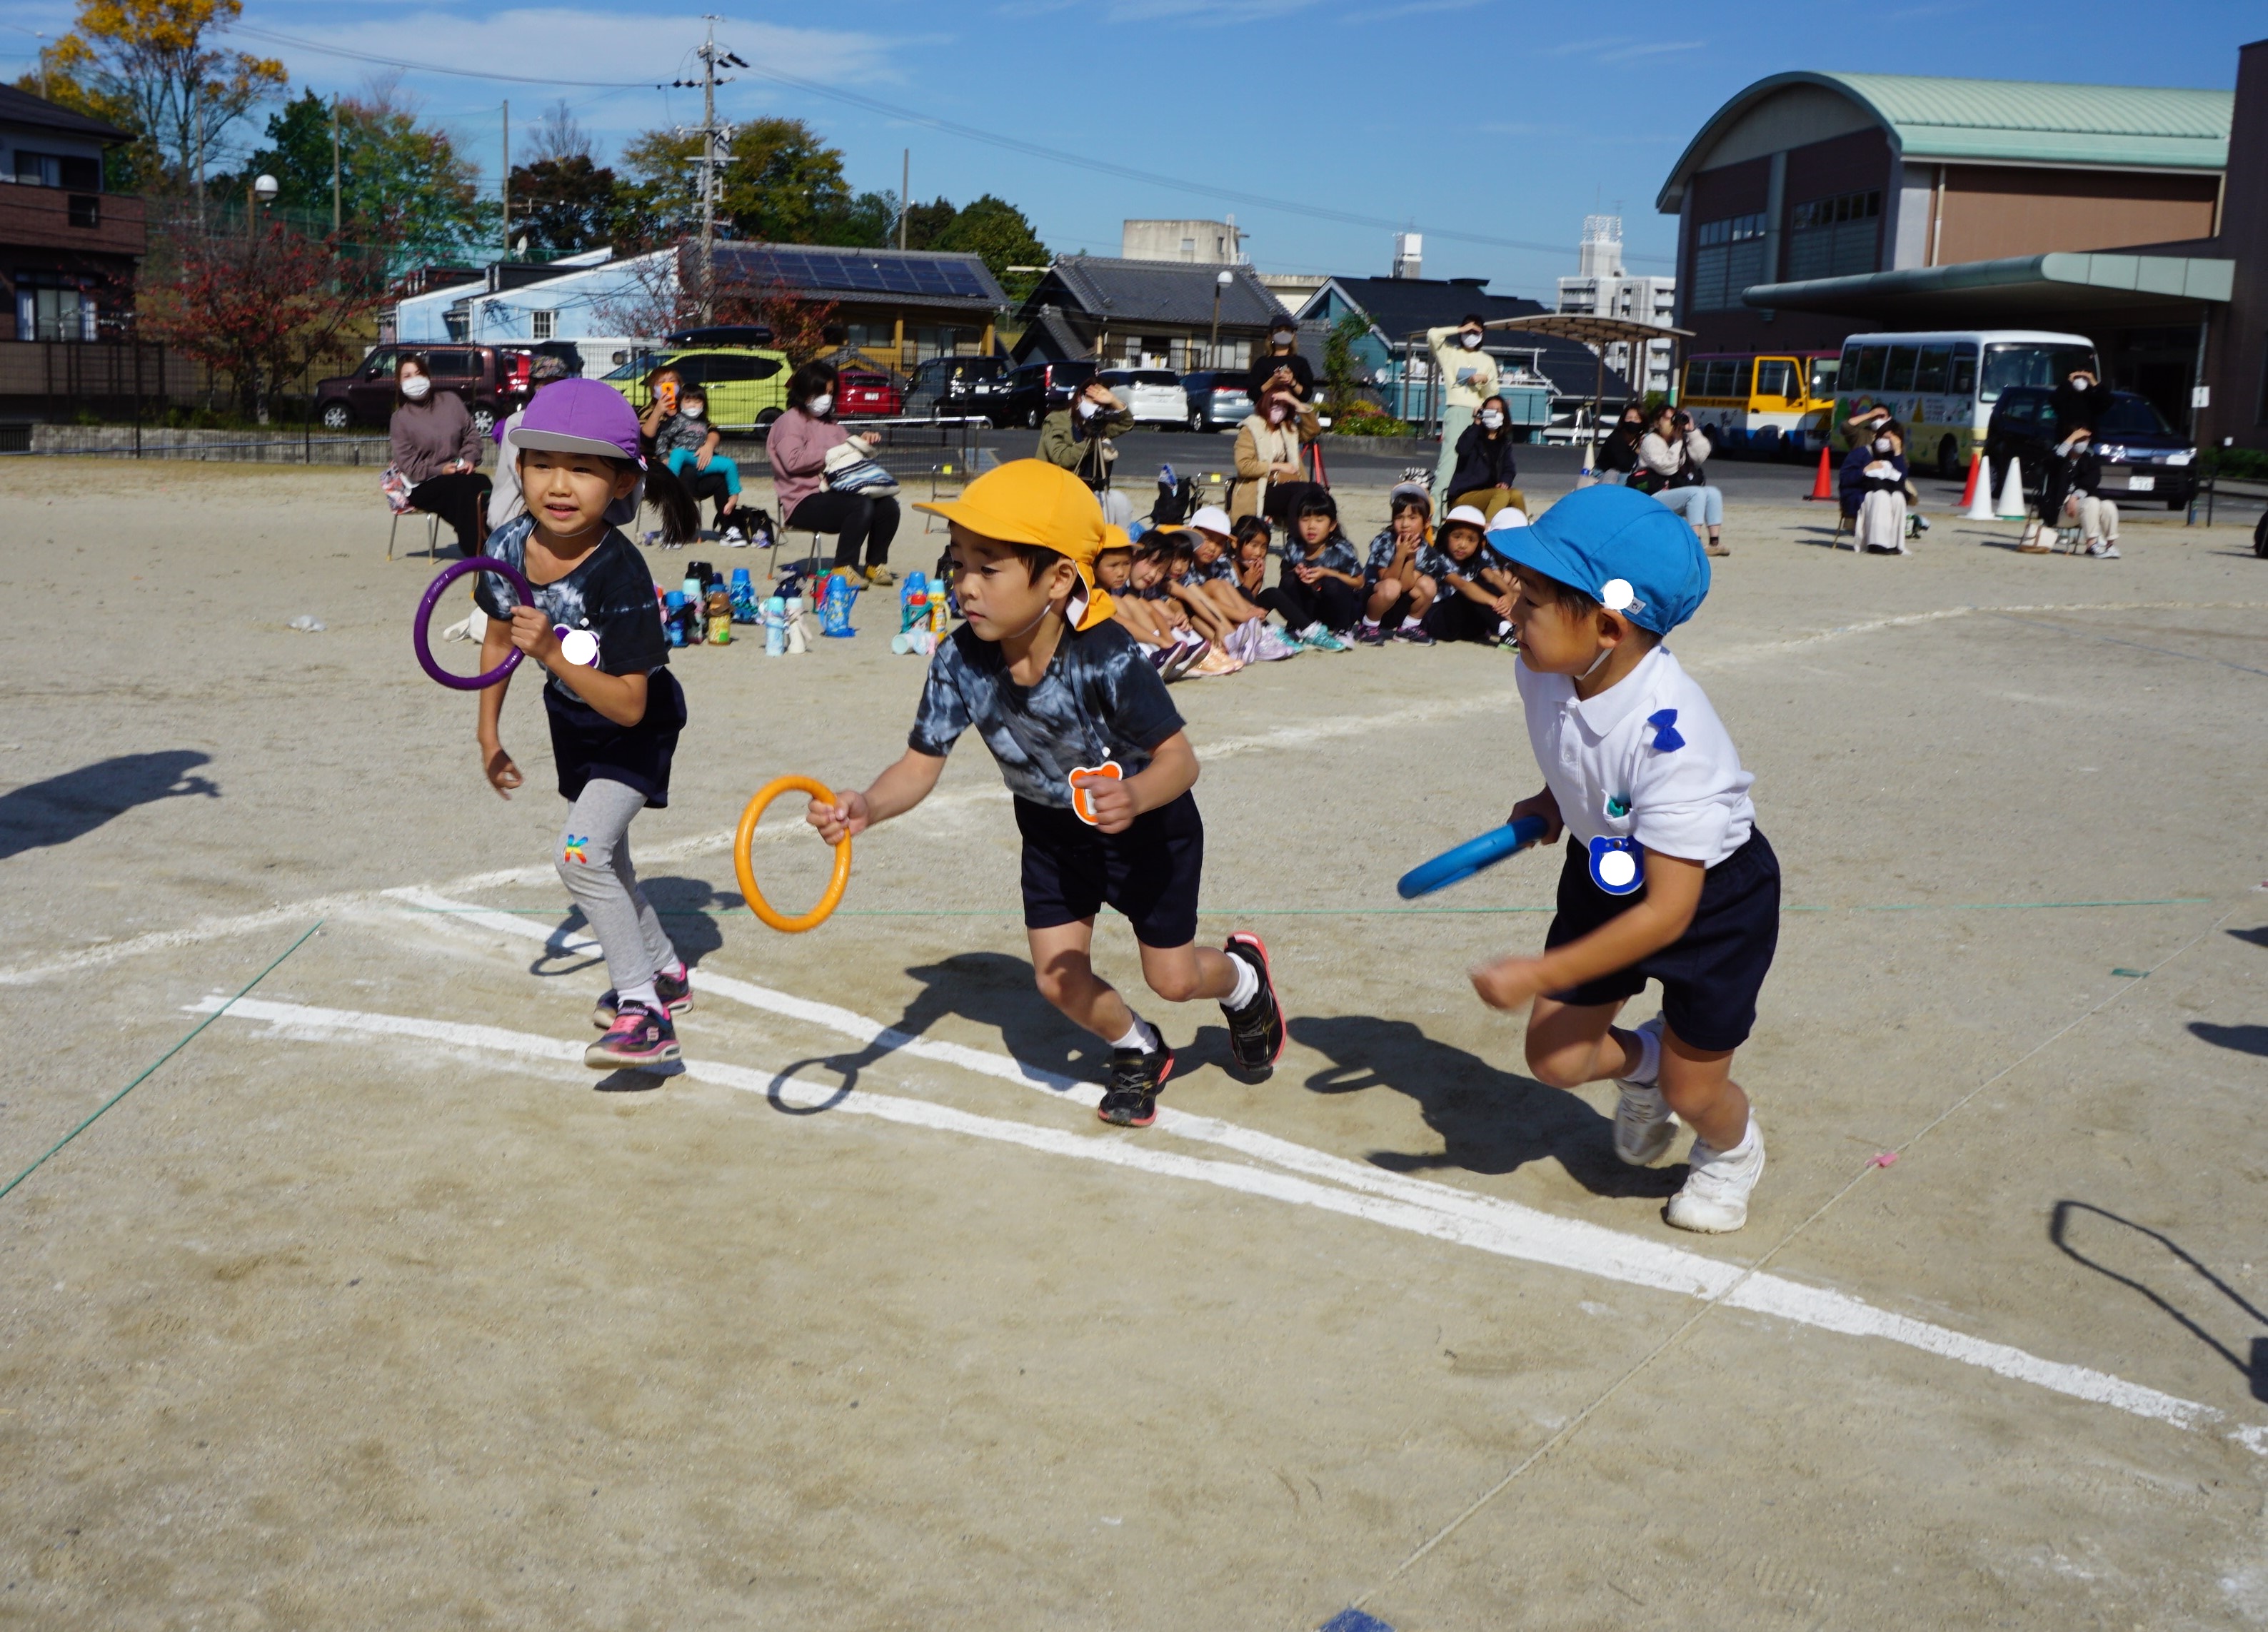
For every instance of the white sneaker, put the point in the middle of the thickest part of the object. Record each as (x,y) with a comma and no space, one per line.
(1643,1122)
(734,539)
(1715,1196)
(2110,550)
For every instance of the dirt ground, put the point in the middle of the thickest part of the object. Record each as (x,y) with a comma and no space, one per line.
(365,1309)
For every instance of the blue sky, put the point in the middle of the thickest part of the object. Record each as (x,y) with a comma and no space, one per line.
(1502,120)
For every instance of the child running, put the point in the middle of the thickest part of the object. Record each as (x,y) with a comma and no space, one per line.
(1669,878)
(1056,688)
(615,709)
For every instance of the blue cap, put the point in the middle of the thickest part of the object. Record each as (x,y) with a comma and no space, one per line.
(1597,536)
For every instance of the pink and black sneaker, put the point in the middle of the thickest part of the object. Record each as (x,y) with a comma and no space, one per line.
(674,990)
(639,1036)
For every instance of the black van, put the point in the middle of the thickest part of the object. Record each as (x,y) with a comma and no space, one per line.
(2143,458)
(1038,389)
(953,388)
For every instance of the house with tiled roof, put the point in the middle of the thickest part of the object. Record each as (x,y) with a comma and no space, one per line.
(1147,313)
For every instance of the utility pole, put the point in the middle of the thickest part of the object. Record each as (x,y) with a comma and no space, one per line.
(196,93)
(713,137)
(335,168)
(905,191)
(505,185)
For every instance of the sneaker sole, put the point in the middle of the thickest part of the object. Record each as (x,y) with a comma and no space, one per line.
(599,1058)
(1267,980)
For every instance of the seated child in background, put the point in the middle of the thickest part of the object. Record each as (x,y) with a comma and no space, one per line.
(1186,585)
(1152,629)
(1476,591)
(686,442)
(1399,578)
(1248,555)
(1054,687)
(1669,878)
(1151,581)
(1319,594)
(1212,573)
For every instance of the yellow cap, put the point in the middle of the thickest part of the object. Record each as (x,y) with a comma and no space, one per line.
(1029,501)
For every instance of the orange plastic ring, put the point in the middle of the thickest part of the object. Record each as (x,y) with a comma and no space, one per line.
(746,837)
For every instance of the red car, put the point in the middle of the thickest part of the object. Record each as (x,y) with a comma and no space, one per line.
(860,394)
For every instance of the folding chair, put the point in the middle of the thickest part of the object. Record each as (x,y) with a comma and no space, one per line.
(2067,533)
(433,535)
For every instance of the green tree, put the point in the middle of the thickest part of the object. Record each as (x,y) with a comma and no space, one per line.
(565,205)
(780,183)
(926,222)
(996,231)
(401,183)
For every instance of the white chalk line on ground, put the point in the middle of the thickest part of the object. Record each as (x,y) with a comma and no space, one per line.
(1518,1231)
(1502,1229)
(1227,747)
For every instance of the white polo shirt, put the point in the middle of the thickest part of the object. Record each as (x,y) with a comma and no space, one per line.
(1646,758)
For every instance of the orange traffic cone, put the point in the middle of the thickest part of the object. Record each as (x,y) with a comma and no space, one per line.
(1968,493)
(1822,486)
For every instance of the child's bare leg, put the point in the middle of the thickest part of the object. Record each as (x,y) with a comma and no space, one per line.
(1184,973)
(1064,972)
(1421,599)
(1382,596)
(1570,1044)
(1699,1087)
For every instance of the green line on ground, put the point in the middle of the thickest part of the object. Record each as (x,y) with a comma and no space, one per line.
(150,1070)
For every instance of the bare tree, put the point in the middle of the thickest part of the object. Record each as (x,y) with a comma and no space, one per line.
(557,137)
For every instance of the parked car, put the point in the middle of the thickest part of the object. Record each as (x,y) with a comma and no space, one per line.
(861,393)
(1038,389)
(1216,400)
(754,335)
(953,387)
(1152,395)
(747,385)
(492,380)
(566,350)
(2141,454)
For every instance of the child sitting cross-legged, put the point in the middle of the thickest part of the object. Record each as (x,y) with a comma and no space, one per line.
(1056,690)
(1667,876)
(1476,591)
(1398,577)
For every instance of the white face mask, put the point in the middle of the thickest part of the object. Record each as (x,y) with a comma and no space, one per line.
(1490,419)
(1470,342)
(1282,342)
(415,386)
(1276,412)
(820,406)
(693,409)
(1088,408)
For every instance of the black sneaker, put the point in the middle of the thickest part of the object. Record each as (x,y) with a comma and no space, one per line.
(1368,634)
(1136,1078)
(1413,633)
(675,992)
(1256,1031)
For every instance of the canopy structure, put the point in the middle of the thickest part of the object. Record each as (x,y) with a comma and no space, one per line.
(1599,333)
(2019,289)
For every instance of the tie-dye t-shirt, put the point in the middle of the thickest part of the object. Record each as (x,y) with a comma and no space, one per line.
(611,595)
(1099,700)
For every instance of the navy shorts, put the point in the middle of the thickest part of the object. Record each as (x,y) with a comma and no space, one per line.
(1150,872)
(1711,974)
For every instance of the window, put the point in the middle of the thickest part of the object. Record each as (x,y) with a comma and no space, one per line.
(1833,237)
(1867,375)
(381,364)
(1964,380)
(1823,374)
(2033,364)
(2019,410)
(1929,372)
(453,365)
(542,325)
(1776,376)
(1729,256)
(52,312)
(58,170)
(1899,374)
(723,366)
(86,211)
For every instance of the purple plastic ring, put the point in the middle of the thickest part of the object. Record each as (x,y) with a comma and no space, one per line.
(449,575)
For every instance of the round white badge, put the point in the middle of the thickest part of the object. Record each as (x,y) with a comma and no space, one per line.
(1617,868)
(1617,595)
(579,647)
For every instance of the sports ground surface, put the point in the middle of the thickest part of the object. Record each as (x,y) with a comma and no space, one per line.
(364,1309)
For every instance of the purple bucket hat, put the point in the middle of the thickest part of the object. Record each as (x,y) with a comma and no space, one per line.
(580,417)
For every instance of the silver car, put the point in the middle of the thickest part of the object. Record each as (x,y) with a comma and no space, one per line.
(1152,395)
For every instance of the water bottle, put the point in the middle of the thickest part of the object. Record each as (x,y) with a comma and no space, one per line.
(672,620)
(774,628)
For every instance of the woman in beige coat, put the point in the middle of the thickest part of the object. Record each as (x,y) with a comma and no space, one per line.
(1268,443)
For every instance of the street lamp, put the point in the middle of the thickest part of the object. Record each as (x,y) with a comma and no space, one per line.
(1212,346)
(262,191)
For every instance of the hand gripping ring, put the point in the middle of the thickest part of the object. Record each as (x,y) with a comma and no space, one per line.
(449,575)
(746,837)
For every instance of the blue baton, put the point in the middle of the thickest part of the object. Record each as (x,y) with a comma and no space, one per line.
(1456,865)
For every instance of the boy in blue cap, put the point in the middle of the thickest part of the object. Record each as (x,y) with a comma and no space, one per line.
(1669,878)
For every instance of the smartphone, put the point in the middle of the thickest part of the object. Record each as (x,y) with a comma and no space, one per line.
(666,393)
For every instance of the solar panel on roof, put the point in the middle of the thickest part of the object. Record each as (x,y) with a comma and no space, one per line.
(859,272)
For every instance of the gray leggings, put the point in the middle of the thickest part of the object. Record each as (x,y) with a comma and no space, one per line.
(594,865)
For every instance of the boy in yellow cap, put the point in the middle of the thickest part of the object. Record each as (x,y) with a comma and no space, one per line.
(1092,747)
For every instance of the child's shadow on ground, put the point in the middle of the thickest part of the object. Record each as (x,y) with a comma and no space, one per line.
(683,904)
(1490,1121)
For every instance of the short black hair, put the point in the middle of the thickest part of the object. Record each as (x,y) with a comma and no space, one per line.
(1571,600)
(1473,317)
(1318,503)
(1250,527)
(1038,559)
(812,379)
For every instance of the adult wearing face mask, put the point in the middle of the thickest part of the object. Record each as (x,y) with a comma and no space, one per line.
(1281,365)
(433,445)
(1485,470)
(1874,488)
(797,446)
(1618,453)
(1268,443)
(1669,457)
(2081,403)
(1078,435)
(1468,375)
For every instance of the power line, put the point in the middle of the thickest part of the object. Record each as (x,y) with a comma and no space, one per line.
(874,105)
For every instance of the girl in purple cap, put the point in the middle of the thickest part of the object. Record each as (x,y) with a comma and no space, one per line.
(615,709)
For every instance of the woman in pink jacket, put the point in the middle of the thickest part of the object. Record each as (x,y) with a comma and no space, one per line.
(797,446)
